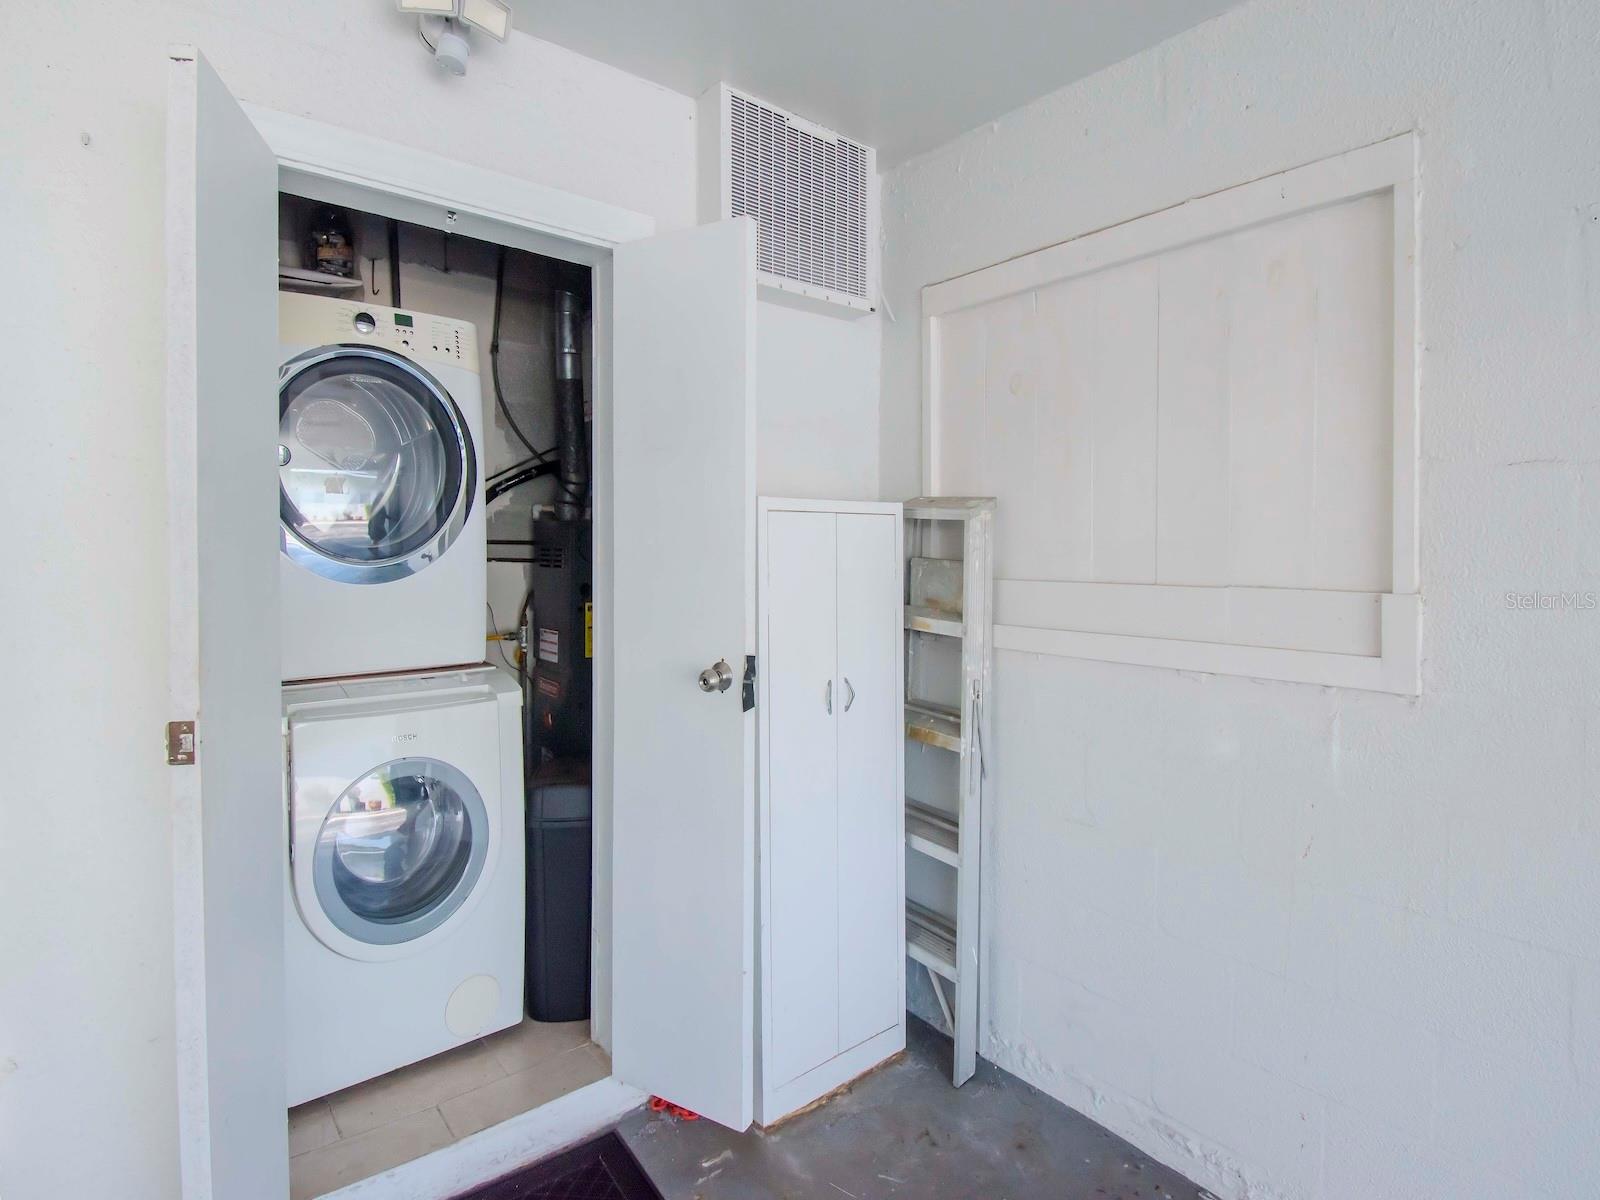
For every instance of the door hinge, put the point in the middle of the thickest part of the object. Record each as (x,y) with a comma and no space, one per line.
(180,743)
(748,690)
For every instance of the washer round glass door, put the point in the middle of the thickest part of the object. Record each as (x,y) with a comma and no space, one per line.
(376,466)
(400,850)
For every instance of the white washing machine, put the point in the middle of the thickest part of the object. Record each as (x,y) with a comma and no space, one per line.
(404,899)
(380,498)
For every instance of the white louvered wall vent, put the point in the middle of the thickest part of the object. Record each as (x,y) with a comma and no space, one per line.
(810,190)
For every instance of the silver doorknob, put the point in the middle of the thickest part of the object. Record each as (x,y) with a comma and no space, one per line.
(718,677)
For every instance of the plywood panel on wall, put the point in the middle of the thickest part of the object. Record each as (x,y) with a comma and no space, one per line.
(1099,389)
(1203,399)
(1216,415)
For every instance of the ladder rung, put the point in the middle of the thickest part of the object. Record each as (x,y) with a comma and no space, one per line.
(931,940)
(931,832)
(934,726)
(920,619)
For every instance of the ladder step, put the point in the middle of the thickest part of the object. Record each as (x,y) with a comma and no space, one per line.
(920,619)
(931,940)
(931,832)
(947,508)
(933,725)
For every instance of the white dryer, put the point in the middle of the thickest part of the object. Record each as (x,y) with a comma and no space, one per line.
(380,498)
(404,898)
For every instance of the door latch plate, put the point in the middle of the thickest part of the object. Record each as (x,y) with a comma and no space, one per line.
(747,690)
(180,743)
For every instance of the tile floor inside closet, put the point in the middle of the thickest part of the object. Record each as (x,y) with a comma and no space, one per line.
(416,1110)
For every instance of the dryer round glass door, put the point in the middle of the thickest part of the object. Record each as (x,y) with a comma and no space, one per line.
(376,467)
(400,851)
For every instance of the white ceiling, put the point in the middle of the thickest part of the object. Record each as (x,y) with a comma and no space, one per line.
(900,75)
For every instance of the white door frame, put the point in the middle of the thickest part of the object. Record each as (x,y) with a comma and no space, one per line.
(342,166)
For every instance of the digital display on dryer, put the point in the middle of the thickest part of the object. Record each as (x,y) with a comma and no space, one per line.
(403,319)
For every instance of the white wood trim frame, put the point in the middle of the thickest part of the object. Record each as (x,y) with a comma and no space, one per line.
(183,640)
(315,150)
(343,166)
(1387,166)
(1335,622)
(501,1149)
(326,162)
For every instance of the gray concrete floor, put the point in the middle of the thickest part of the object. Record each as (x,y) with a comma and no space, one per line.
(904,1132)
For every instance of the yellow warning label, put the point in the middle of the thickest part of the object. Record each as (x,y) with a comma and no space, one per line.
(588,628)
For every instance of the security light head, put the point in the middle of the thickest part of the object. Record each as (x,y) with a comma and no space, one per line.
(492,17)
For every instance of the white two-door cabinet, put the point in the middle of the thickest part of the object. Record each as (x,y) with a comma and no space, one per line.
(831,879)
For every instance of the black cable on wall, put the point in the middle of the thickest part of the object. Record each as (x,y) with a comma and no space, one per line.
(494,361)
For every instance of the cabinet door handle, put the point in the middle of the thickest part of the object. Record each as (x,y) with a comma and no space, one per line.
(827,697)
(849,694)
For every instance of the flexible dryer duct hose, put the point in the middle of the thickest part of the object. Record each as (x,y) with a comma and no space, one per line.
(571,440)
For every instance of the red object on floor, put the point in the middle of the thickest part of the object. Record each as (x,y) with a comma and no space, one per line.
(657,1104)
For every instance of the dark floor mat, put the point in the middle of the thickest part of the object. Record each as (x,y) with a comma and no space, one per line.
(602,1169)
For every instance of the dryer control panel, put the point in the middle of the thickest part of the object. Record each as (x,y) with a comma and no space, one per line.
(423,337)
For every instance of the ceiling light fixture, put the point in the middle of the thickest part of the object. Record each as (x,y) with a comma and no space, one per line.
(448,22)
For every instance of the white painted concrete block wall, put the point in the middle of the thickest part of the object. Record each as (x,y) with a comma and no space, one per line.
(817,404)
(1294,941)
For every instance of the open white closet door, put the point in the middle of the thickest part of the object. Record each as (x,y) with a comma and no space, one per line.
(683,927)
(228,830)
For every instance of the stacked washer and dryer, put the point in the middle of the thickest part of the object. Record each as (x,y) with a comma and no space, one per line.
(404,901)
